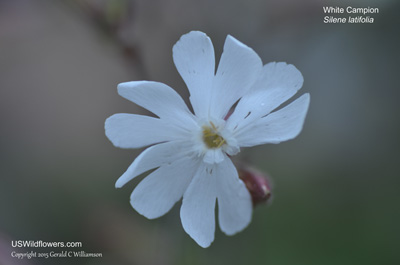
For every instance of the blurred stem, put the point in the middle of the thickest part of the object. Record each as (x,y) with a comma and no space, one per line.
(112,18)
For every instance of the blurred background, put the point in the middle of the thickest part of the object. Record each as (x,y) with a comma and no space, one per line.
(336,186)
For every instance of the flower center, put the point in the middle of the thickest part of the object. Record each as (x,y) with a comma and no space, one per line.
(211,137)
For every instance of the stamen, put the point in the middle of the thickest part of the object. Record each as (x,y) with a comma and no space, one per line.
(211,137)
(213,126)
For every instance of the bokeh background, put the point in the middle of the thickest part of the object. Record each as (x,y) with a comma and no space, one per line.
(336,186)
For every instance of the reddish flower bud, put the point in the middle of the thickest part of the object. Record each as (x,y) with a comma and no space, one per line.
(257,183)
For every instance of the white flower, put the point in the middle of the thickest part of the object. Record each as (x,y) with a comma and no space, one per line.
(191,151)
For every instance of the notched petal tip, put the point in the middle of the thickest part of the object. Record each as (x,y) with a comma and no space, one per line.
(190,37)
(109,130)
(194,34)
(121,181)
(250,53)
(202,240)
(148,215)
(118,185)
(307,96)
(135,90)
(230,38)
(126,88)
(301,106)
(112,130)
(125,85)
(281,74)
(294,75)
(205,244)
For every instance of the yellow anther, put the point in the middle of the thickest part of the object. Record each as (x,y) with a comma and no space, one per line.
(211,137)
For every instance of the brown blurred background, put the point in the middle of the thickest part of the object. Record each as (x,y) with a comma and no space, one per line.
(336,186)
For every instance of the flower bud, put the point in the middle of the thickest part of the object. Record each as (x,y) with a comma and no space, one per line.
(257,184)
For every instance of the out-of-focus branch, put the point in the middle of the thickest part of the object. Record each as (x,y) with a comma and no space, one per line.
(115,18)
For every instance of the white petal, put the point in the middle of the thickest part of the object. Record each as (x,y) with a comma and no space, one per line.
(280,76)
(238,69)
(198,207)
(234,200)
(158,192)
(154,156)
(158,98)
(279,126)
(195,61)
(278,82)
(213,156)
(135,131)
